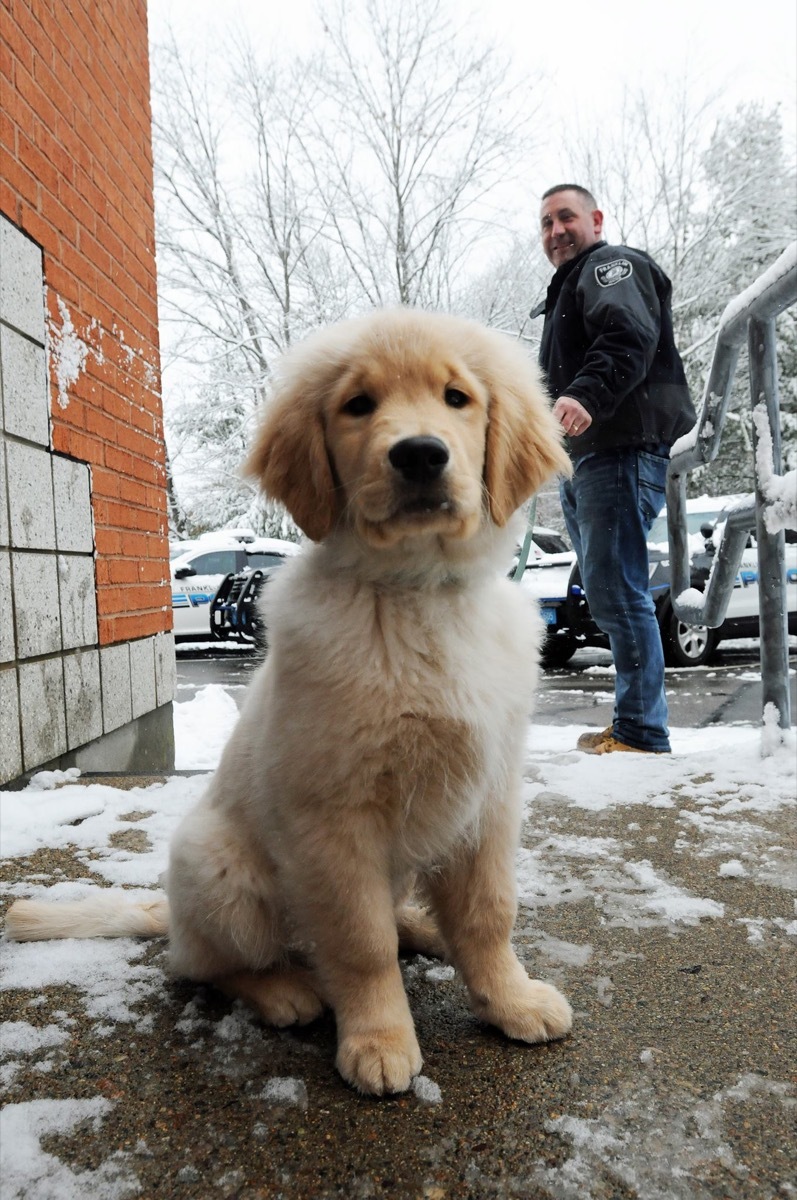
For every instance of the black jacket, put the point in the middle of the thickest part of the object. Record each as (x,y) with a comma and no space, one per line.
(608,342)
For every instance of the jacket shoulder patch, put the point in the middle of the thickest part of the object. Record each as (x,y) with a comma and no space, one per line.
(610,273)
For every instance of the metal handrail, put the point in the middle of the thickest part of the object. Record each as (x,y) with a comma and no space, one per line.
(753,314)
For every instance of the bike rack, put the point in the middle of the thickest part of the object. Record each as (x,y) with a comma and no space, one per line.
(752,313)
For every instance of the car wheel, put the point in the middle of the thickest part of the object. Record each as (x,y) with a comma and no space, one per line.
(557,649)
(686,645)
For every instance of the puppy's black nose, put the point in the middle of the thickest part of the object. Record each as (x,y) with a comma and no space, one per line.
(419,459)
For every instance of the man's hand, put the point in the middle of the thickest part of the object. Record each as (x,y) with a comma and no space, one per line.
(571,415)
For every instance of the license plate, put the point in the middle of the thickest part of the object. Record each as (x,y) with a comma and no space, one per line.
(549,615)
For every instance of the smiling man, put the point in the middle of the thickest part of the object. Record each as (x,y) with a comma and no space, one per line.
(622,399)
(570,222)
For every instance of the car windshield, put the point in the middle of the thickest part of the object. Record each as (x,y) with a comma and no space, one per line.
(214,562)
(551,543)
(257,559)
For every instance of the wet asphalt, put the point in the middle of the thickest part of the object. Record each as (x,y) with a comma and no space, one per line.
(581,693)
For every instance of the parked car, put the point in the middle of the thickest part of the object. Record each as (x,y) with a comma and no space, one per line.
(694,645)
(544,543)
(547,578)
(177,549)
(565,607)
(180,546)
(198,572)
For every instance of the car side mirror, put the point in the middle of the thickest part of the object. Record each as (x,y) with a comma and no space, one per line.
(707,532)
(184,572)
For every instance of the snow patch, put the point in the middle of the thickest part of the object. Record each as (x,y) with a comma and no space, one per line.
(426,1090)
(20,1037)
(285,1092)
(106,972)
(68,353)
(660,1147)
(675,905)
(440,974)
(30,1173)
(780,491)
(202,728)
(733,869)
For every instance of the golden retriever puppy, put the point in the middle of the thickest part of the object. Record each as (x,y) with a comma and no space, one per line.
(379,751)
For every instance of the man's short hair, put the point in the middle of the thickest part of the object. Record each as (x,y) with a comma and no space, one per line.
(572,187)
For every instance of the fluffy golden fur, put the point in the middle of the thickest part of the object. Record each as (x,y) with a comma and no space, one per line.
(379,751)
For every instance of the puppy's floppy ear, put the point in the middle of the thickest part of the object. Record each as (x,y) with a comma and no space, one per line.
(524,441)
(290,458)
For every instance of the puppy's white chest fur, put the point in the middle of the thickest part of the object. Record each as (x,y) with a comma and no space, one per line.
(424,696)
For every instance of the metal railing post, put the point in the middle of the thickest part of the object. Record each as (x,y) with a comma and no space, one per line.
(752,313)
(773,609)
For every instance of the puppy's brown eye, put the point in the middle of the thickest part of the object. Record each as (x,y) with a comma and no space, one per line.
(456,399)
(359,406)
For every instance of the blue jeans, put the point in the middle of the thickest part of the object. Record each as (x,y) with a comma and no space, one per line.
(609,505)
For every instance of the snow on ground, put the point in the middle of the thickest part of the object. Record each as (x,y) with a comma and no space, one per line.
(30,1173)
(716,780)
(202,727)
(642,1121)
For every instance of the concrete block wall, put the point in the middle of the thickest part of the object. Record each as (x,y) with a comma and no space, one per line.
(61,691)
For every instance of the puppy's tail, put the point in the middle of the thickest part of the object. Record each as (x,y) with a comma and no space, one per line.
(111,913)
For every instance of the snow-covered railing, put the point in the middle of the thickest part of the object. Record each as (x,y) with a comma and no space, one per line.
(771,508)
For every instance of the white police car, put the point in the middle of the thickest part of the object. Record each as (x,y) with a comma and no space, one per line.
(546,578)
(198,572)
(556,584)
(694,645)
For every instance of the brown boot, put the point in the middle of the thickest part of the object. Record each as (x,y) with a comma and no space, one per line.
(611,745)
(588,741)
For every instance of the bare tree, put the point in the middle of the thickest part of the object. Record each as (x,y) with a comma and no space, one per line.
(503,294)
(646,169)
(418,127)
(292,193)
(243,269)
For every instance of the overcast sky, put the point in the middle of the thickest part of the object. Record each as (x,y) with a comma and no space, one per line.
(588,50)
(587,53)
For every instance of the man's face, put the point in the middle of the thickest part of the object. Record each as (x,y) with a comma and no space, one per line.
(568,226)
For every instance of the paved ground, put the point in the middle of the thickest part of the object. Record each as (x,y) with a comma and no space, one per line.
(677,1083)
(728,690)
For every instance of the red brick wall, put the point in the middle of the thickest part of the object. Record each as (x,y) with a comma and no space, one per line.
(76,175)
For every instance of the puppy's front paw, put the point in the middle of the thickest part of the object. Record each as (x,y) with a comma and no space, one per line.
(380,1062)
(541,1014)
(530,1011)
